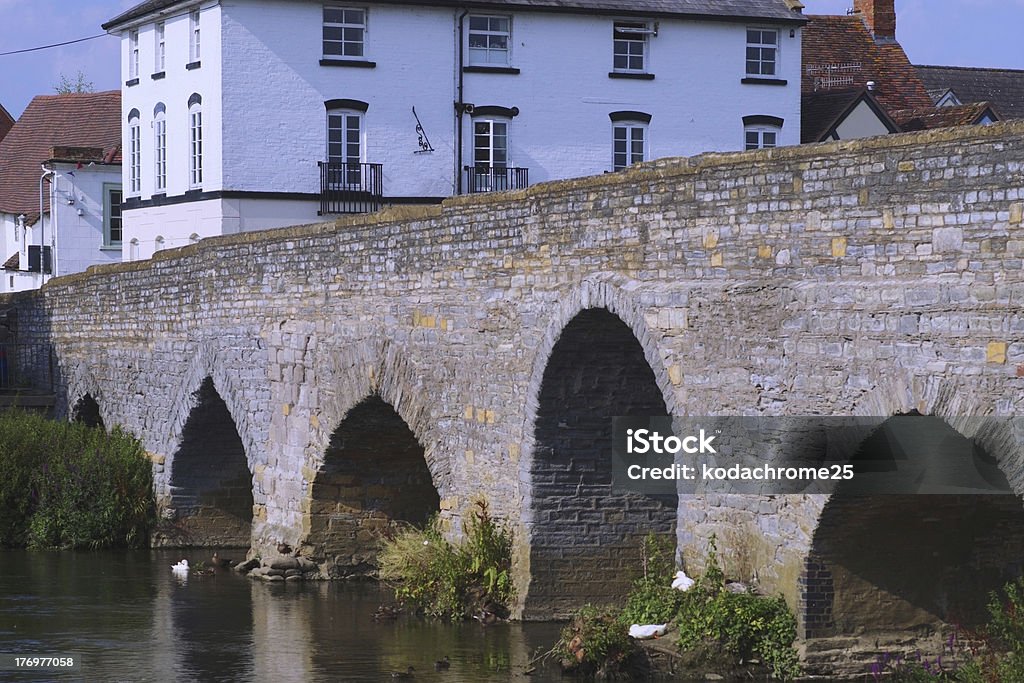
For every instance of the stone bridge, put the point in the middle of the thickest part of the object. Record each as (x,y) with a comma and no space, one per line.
(315,385)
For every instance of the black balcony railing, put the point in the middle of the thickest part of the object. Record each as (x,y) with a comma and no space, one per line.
(350,188)
(496,178)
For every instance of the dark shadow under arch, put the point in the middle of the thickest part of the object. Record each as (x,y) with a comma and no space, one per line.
(902,562)
(374,478)
(585,543)
(87,411)
(211,485)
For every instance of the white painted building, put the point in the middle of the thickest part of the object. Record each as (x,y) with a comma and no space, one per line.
(231,107)
(60,188)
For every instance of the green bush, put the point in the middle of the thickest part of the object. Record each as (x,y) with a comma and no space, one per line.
(652,599)
(65,485)
(743,626)
(596,641)
(449,581)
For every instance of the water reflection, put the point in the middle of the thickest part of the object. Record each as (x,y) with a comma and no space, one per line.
(131,620)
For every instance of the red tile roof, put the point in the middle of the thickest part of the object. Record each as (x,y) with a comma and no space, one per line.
(75,120)
(6,122)
(841,48)
(943,117)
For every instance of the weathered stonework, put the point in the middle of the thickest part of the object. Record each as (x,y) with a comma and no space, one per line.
(871,277)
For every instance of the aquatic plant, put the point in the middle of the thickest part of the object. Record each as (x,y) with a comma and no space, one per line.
(452,581)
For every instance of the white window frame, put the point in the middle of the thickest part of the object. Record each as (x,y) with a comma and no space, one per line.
(160,151)
(340,151)
(626,35)
(490,162)
(761,131)
(492,123)
(160,45)
(195,146)
(108,215)
(486,55)
(348,23)
(624,135)
(755,53)
(194,37)
(134,155)
(133,54)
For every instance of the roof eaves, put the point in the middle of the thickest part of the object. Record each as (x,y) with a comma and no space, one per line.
(792,16)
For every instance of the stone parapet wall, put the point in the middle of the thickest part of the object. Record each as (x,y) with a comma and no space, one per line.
(868,277)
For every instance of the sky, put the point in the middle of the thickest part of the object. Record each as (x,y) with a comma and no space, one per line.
(948,32)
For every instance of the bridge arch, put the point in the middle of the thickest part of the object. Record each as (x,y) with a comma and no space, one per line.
(209,497)
(917,562)
(87,411)
(601,362)
(83,397)
(373,478)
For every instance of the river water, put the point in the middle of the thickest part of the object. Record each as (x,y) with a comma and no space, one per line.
(129,619)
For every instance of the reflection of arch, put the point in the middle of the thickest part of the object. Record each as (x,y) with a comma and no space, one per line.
(597,368)
(898,562)
(87,411)
(374,476)
(210,480)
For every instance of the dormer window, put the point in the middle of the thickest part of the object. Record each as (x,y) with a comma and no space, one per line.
(489,40)
(344,33)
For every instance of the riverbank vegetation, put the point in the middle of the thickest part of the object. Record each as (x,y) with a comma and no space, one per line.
(452,581)
(715,629)
(65,485)
(994,654)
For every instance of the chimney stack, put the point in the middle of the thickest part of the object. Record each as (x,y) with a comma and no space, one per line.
(880,18)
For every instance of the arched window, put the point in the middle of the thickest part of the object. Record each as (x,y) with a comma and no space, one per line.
(193,238)
(195,137)
(160,148)
(761,132)
(629,138)
(133,249)
(134,153)
(158,243)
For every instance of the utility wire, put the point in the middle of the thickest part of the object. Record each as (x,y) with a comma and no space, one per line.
(47,47)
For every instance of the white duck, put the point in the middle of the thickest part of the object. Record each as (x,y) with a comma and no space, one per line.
(648,631)
(180,570)
(682,582)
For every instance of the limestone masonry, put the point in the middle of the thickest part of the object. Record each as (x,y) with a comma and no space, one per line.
(872,277)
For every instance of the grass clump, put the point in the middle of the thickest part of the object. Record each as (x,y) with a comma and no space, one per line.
(65,485)
(452,581)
